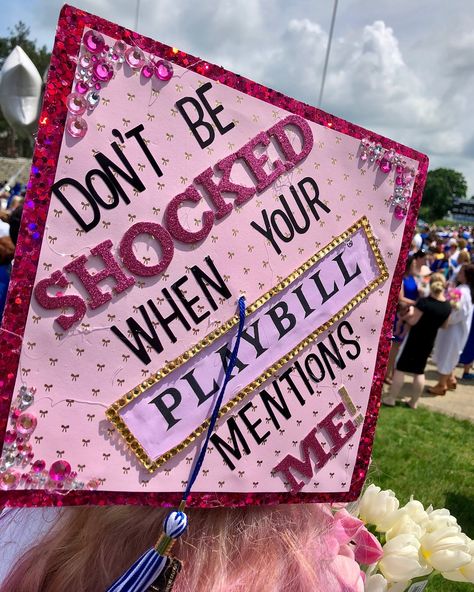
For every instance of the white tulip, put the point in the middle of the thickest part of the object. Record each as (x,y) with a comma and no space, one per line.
(464,573)
(376,583)
(401,559)
(378,507)
(404,525)
(446,549)
(415,511)
(440,519)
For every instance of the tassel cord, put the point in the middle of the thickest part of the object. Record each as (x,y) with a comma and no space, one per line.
(215,412)
(153,563)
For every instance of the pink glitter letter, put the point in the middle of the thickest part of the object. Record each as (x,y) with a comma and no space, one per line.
(256,163)
(53,302)
(309,445)
(90,280)
(174,225)
(278,130)
(333,430)
(161,235)
(225,185)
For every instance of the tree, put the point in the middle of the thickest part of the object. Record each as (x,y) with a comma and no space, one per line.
(441,189)
(19,35)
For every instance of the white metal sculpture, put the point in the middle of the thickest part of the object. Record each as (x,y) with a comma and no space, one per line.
(20,92)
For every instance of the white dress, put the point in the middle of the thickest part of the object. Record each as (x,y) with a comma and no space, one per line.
(20,529)
(451,341)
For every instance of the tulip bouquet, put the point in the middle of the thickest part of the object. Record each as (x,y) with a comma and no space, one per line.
(399,548)
(453,296)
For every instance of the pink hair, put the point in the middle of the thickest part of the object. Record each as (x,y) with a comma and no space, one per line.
(261,549)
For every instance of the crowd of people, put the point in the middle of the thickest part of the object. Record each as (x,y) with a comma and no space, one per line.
(434,313)
(11,208)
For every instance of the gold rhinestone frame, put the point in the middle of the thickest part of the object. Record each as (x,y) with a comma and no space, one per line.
(133,443)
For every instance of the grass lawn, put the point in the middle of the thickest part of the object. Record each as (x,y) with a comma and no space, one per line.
(430,456)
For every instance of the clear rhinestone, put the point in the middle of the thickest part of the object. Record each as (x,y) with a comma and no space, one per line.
(92,99)
(9,460)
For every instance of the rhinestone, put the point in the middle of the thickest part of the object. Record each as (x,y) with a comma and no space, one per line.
(38,466)
(9,460)
(400,212)
(81,87)
(120,47)
(76,104)
(148,70)
(92,99)
(385,165)
(163,70)
(26,423)
(59,470)
(92,484)
(85,61)
(103,71)
(10,437)
(76,127)
(9,480)
(93,41)
(135,57)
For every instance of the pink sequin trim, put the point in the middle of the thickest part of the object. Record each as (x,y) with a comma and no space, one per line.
(50,131)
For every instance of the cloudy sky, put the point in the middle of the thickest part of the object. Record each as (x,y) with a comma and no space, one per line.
(402,68)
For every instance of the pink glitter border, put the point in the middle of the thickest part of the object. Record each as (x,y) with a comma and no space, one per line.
(51,126)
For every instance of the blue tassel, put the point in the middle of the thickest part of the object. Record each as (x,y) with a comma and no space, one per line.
(148,568)
(141,575)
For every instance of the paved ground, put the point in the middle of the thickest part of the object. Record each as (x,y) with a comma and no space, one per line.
(458,403)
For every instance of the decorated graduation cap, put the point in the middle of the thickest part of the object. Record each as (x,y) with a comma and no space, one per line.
(203,288)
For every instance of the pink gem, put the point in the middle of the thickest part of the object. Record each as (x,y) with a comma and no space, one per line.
(26,423)
(120,47)
(400,212)
(10,437)
(81,87)
(97,86)
(15,414)
(103,71)
(76,104)
(92,484)
(147,71)
(399,169)
(163,70)
(9,480)
(408,177)
(399,180)
(406,193)
(93,41)
(363,156)
(385,165)
(76,127)
(59,470)
(38,466)
(134,57)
